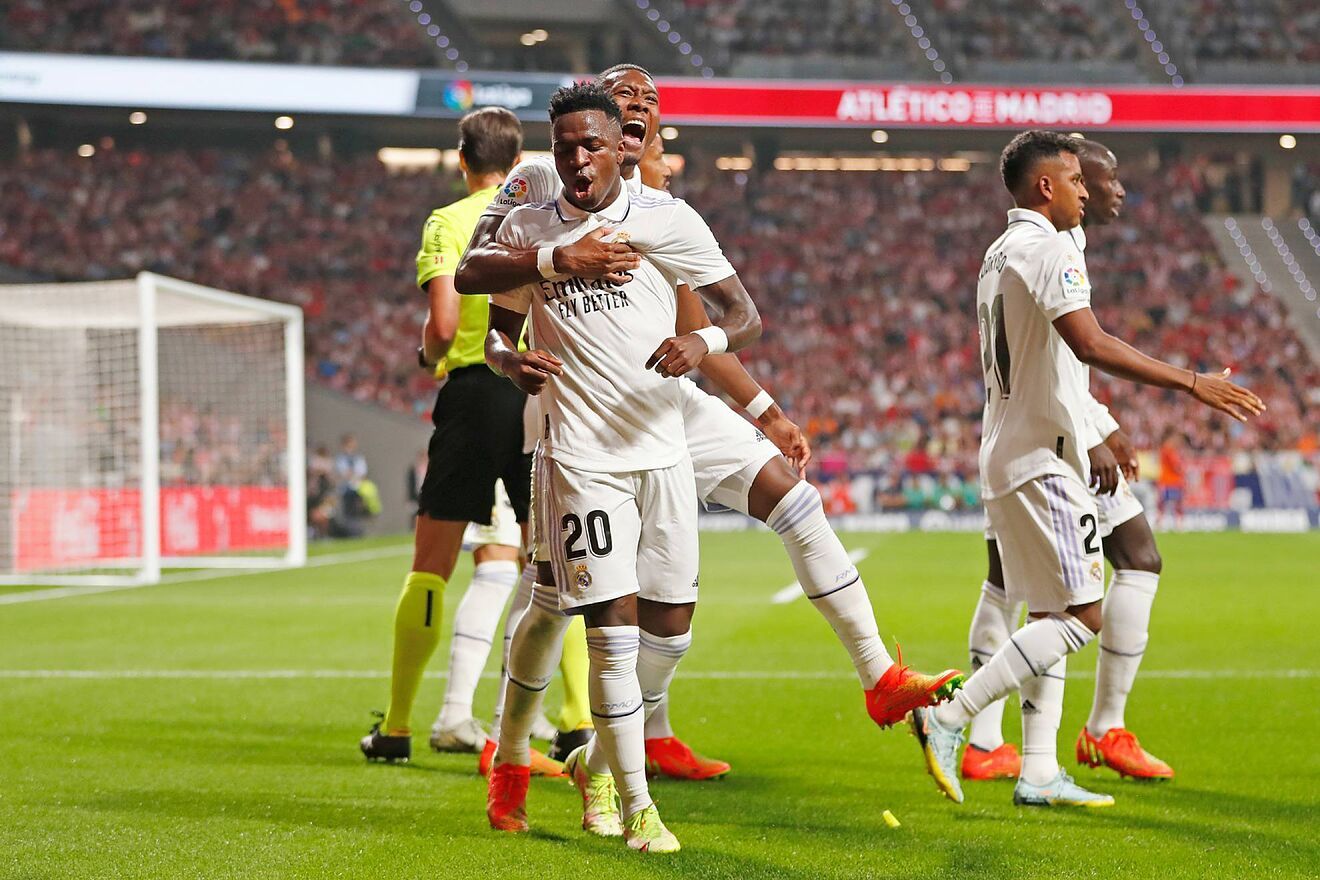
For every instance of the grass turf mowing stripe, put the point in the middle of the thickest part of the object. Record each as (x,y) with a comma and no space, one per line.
(184,577)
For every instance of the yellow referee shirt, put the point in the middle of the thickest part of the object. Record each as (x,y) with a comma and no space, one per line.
(444,238)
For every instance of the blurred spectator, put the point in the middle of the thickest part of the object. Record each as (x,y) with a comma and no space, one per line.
(371,33)
(350,464)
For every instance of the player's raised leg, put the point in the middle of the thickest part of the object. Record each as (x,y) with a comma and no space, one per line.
(1051,558)
(1105,739)
(987,755)
(792,507)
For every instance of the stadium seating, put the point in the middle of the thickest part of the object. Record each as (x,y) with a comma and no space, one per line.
(350,32)
(868,341)
(1100,40)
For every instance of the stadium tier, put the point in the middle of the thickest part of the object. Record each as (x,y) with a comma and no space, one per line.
(867,340)
(949,40)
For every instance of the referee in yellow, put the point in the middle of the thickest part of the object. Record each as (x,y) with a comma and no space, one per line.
(478,418)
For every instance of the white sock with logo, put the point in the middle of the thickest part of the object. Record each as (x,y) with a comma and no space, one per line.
(657,660)
(1122,643)
(475,620)
(616,709)
(533,657)
(522,597)
(992,624)
(1027,653)
(1042,708)
(830,579)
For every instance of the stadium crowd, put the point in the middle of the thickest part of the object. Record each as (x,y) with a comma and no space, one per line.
(370,33)
(868,342)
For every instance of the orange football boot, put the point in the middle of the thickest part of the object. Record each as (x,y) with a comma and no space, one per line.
(982,765)
(506,797)
(1120,750)
(670,756)
(541,765)
(900,690)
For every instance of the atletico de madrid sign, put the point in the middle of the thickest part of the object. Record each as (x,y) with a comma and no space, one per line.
(1152,108)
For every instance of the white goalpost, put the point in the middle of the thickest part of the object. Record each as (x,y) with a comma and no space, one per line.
(150,423)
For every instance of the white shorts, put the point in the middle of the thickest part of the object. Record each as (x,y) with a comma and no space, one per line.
(1118,508)
(503,529)
(1113,510)
(727,451)
(612,535)
(1049,543)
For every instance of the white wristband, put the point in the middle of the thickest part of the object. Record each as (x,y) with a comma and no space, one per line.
(545,262)
(759,404)
(717,341)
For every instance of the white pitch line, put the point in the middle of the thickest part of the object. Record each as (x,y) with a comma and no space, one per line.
(184,577)
(700,675)
(794,590)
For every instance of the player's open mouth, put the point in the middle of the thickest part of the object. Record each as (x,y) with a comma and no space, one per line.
(581,186)
(634,132)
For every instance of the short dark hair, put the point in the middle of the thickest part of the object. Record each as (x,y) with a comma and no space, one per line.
(1089,149)
(619,68)
(490,140)
(1028,148)
(586,95)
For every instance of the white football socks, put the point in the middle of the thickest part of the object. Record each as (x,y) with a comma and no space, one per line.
(475,620)
(657,660)
(522,597)
(533,657)
(829,579)
(1028,652)
(616,709)
(993,622)
(1122,643)
(1042,709)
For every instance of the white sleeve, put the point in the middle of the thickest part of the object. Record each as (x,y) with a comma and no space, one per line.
(519,299)
(688,249)
(1061,284)
(529,183)
(1097,415)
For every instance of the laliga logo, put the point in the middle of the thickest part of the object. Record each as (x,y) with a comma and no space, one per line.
(458,95)
(516,189)
(1074,277)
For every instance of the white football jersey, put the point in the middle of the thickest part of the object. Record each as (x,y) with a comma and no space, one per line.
(1036,388)
(1100,424)
(607,412)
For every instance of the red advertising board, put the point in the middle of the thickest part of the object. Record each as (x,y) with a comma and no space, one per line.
(60,528)
(894,105)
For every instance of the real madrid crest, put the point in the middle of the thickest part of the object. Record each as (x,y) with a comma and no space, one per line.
(1097,572)
(582,577)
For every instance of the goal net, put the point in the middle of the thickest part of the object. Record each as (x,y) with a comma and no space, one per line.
(144,424)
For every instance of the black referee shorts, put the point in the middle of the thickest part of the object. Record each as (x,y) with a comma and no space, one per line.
(478,439)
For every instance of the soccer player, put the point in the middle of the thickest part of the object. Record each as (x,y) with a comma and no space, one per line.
(1129,545)
(733,464)
(476,443)
(614,477)
(1038,335)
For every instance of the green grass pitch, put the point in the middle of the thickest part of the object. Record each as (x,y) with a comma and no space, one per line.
(133,770)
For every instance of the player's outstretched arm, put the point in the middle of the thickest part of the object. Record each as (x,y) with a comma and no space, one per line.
(490,267)
(529,370)
(731,377)
(1095,347)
